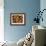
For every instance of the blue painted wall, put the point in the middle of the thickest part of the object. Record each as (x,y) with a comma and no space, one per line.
(43,6)
(29,7)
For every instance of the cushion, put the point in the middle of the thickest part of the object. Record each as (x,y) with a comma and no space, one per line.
(20,42)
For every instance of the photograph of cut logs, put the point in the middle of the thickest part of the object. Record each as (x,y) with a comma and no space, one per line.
(17,18)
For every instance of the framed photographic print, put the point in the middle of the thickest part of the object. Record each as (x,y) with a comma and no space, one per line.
(17,19)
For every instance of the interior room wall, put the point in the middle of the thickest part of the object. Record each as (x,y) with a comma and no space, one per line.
(29,7)
(43,6)
(1,20)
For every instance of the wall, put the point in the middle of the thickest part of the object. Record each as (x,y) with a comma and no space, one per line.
(1,21)
(29,7)
(43,6)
